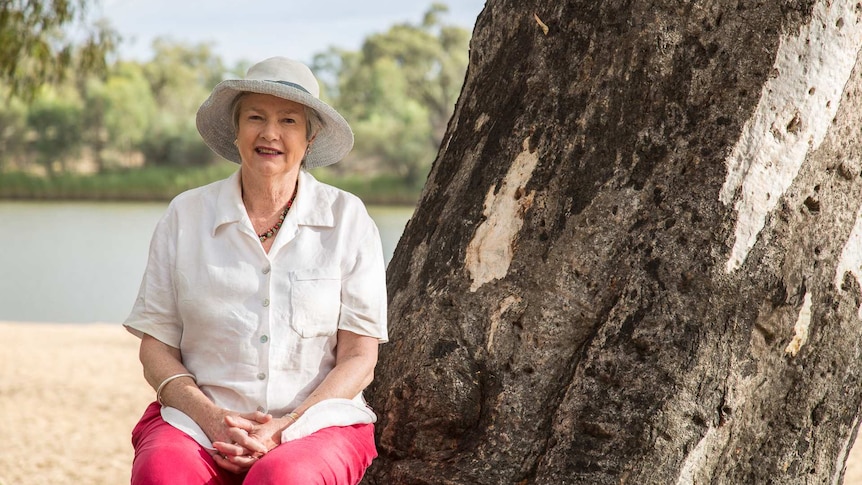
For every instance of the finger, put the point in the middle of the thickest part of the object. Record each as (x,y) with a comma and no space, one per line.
(243,462)
(238,435)
(258,417)
(223,462)
(239,422)
(229,449)
(242,438)
(241,443)
(236,463)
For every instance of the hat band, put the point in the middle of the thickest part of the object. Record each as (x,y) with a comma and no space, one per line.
(293,85)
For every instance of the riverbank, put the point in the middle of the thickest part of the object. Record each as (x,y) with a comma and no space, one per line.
(151,184)
(70,396)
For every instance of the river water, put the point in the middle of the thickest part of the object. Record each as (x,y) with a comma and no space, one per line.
(80,262)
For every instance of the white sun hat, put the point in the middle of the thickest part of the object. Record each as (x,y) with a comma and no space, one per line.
(284,78)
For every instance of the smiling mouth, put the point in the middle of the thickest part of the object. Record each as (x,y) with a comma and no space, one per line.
(267,151)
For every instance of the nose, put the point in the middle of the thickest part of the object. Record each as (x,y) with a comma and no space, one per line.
(269,131)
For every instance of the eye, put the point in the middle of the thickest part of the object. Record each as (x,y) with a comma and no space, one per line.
(254,117)
(289,121)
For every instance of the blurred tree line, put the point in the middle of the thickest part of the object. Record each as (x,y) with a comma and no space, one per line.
(398,92)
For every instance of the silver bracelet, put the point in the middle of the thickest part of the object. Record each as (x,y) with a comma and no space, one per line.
(166,381)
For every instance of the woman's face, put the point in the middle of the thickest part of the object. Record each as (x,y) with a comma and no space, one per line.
(271,133)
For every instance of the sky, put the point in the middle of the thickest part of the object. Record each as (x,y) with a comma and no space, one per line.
(257,29)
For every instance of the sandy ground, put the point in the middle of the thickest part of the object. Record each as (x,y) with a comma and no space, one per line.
(69,398)
(70,395)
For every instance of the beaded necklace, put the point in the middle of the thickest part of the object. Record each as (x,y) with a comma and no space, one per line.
(274,229)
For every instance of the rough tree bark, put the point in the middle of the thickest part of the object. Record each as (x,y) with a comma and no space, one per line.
(637,258)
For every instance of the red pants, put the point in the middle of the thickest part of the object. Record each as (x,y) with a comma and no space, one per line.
(166,455)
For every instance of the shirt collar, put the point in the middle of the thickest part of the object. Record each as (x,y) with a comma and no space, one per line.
(314,202)
(312,206)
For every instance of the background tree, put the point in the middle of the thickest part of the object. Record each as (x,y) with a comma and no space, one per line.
(181,76)
(399,90)
(119,112)
(13,134)
(35,46)
(54,119)
(637,258)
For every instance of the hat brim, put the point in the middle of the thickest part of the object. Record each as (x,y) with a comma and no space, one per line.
(215,123)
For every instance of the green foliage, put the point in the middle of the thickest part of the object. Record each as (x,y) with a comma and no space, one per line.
(35,47)
(180,78)
(154,183)
(175,143)
(381,189)
(13,132)
(138,110)
(164,183)
(56,118)
(399,91)
(118,112)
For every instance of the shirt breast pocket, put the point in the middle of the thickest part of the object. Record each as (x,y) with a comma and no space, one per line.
(316,301)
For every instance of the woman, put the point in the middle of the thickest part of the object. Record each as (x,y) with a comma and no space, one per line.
(263,302)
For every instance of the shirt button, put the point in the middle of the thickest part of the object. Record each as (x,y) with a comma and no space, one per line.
(261,376)
(266,270)
(264,339)
(261,409)
(266,302)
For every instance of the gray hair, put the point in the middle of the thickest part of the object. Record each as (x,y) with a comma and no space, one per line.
(313,121)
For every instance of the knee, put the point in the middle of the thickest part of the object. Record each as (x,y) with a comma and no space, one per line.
(275,473)
(167,466)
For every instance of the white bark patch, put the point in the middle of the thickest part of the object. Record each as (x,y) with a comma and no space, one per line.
(800,330)
(490,251)
(714,439)
(497,316)
(480,122)
(841,459)
(796,107)
(851,257)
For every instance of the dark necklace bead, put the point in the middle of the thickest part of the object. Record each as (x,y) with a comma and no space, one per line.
(274,229)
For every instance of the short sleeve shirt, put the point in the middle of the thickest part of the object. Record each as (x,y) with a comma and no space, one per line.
(257,329)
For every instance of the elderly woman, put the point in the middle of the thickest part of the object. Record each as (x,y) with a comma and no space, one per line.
(263,302)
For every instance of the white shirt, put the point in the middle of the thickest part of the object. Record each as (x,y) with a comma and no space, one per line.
(258,330)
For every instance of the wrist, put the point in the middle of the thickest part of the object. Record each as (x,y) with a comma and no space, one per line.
(291,417)
(166,381)
(212,422)
(287,421)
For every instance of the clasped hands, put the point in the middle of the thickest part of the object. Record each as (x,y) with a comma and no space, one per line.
(245,438)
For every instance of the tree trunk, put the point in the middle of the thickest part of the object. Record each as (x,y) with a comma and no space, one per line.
(638,256)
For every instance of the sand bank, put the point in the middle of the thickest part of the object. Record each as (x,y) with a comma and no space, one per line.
(69,397)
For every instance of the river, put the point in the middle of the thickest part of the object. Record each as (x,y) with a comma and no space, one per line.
(81,262)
